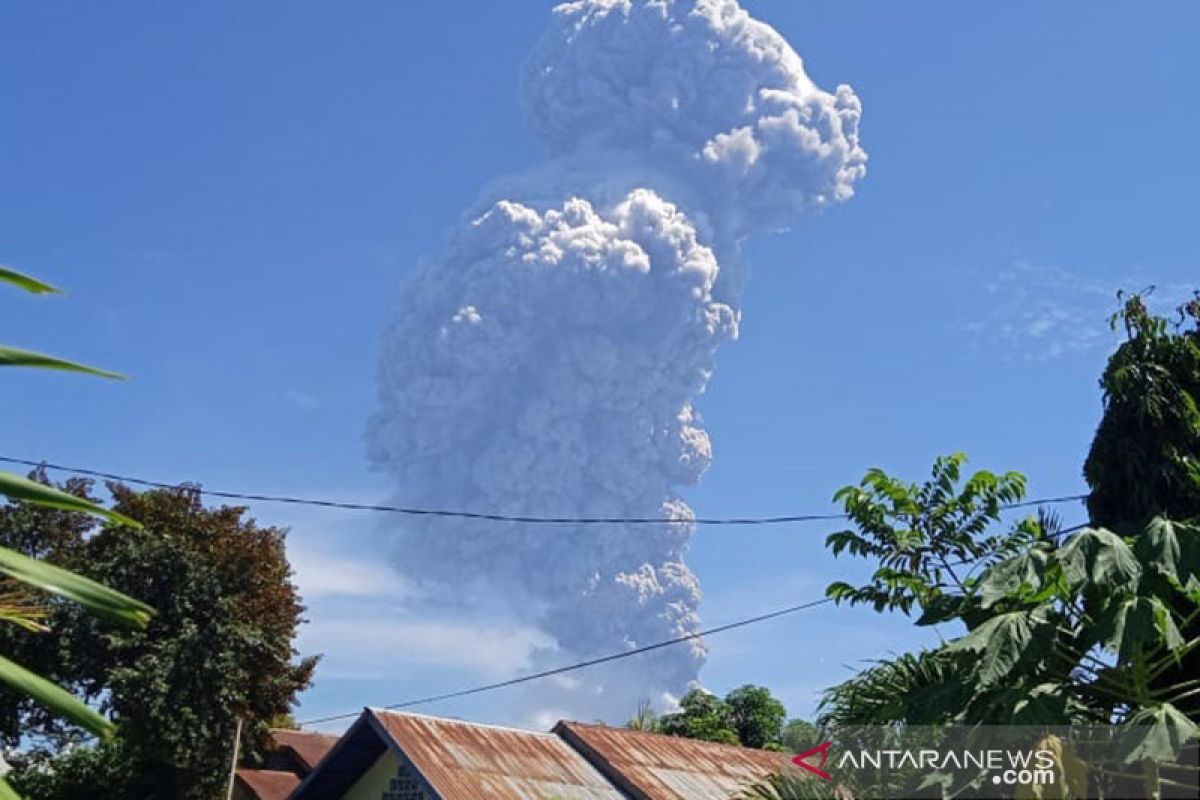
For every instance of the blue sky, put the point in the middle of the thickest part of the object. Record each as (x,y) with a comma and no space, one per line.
(233,193)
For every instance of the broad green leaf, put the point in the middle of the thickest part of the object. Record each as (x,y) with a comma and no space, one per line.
(1157,546)
(1044,704)
(95,597)
(16,357)
(1139,623)
(1157,733)
(55,699)
(6,791)
(1016,576)
(1101,558)
(22,281)
(1001,642)
(25,490)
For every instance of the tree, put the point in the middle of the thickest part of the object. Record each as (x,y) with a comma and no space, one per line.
(755,716)
(1103,626)
(748,716)
(219,650)
(1145,458)
(644,718)
(799,735)
(17,605)
(701,715)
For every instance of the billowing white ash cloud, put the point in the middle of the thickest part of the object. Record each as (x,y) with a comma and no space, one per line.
(548,362)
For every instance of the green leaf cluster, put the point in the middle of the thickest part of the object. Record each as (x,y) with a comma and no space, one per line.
(922,535)
(218,649)
(748,715)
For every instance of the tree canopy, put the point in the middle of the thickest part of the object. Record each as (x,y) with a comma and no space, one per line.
(218,650)
(749,716)
(1094,624)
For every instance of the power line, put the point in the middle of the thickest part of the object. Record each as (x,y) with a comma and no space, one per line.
(583,664)
(625,653)
(439,512)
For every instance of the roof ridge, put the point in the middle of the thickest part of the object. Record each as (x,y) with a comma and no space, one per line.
(457,721)
(634,731)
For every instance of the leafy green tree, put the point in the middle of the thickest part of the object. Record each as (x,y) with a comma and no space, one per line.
(17,605)
(1145,458)
(1057,633)
(923,536)
(1103,626)
(219,649)
(701,715)
(749,716)
(755,716)
(799,735)
(84,773)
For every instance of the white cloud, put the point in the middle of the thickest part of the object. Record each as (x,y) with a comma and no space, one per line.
(322,573)
(376,645)
(1045,312)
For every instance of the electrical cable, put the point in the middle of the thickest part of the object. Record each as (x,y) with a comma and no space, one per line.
(473,515)
(618,656)
(582,664)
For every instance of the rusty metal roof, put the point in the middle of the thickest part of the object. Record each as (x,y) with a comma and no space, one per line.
(467,761)
(651,766)
(265,784)
(306,747)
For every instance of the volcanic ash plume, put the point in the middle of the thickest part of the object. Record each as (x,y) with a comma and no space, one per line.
(547,364)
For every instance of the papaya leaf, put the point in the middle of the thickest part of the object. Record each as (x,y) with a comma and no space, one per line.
(1139,623)
(1003,641)
(1158,733)
(1044,704)
(1101,558)
(1158,547)
(1016,576)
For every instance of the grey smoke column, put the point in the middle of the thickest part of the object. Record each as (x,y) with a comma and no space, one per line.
(548,362)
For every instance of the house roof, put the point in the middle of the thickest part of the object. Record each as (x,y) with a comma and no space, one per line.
(457,760)
(299,752)
(651,766)
(265,784)
(306,747)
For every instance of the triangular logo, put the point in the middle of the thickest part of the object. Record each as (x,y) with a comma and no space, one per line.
(823,749)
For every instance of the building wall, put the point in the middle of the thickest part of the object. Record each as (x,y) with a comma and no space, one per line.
(386,780)
(374,782)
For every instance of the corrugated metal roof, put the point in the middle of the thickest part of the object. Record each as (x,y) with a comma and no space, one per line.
(265,784)
(650,766)
(467,761)
(308,748)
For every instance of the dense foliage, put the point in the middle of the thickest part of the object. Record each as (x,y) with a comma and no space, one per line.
(1145,459)
(219,649)
(749,716)
(1093,624)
